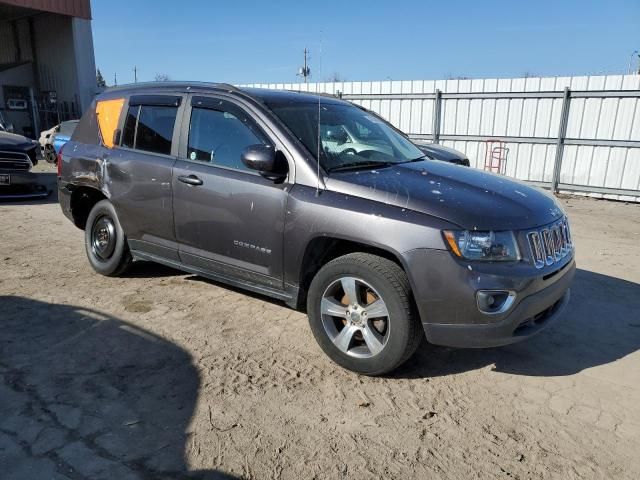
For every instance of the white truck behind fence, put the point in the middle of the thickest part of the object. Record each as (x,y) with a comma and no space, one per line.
(577,134)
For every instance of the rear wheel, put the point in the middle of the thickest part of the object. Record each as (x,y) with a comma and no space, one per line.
(105,242)
(361,314)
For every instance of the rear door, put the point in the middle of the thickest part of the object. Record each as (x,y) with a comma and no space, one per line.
(229,219)
(140,170)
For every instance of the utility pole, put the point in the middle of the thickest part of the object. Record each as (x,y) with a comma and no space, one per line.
(135,74)
(305,71)
(115,79)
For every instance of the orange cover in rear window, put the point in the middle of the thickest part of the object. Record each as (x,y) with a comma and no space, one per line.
(108,113)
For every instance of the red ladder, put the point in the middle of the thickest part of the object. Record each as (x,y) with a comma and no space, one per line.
(495,156)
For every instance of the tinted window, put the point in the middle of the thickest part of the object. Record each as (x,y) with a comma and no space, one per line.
(219,137)
(154,128)
(128,133)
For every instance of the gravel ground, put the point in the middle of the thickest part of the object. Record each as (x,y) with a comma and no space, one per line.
(166,375)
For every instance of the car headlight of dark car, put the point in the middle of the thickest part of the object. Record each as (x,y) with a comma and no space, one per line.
(483,245)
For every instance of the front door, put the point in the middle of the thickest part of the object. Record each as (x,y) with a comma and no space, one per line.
(228,219)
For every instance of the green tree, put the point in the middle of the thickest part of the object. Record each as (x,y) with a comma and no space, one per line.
(100,79)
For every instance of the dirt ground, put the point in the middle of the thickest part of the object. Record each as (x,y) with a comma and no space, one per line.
(166,375)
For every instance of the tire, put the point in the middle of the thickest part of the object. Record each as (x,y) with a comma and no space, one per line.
(105,241)
(50,155)
(377,345)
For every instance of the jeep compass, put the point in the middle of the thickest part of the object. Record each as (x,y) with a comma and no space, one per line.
(321,204)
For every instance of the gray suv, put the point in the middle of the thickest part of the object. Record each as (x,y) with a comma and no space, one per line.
(321,204)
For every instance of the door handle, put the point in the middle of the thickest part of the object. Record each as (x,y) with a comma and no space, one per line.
(190,180)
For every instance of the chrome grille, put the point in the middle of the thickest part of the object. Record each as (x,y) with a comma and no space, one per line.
(550,244)
(15,161)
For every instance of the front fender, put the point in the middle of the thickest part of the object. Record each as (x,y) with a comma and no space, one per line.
(311,214)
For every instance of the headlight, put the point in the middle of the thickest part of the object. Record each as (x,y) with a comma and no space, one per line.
(488,246)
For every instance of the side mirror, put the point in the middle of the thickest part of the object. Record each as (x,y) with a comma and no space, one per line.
(263,159)
(116,136)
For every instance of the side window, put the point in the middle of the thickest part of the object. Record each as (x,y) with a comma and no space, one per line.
(155,128)
(129,131)
(149,128)
(219,137)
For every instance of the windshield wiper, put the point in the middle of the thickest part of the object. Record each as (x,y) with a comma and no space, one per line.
(357,165)
(419,159)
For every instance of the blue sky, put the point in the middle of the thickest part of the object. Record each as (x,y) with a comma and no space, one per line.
(262,41)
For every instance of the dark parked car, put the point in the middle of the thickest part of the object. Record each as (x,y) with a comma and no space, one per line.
(256,188)
(18,155)
(445,154)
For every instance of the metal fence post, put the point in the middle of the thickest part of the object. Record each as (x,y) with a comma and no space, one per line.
(562,132)
(437,111)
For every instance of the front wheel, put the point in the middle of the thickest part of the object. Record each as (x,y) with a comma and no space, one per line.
(105,242)
(360,312)
(50,155)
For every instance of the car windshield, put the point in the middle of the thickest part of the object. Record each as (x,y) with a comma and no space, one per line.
(350,137)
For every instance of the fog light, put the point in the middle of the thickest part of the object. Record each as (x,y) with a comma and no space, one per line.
(495,301)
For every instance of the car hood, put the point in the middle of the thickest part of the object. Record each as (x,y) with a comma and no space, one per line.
(13,141)
(467,197)
(440,151)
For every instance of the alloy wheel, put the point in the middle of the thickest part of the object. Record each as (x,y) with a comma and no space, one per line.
(355,317)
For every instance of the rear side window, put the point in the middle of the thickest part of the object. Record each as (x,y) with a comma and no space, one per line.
(129,131)
(149,128)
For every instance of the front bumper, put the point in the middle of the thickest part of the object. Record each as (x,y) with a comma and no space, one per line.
(444,289)
(24,186)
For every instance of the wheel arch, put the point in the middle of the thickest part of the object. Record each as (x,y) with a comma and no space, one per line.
(83,199)
(322,249)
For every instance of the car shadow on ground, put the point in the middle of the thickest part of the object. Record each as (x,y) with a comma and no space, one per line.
(86,395)
(239,290)
(144,269)
(601,324)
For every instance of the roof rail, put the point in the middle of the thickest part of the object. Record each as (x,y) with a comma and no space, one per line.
(186,86)
(173,84)
(228,86)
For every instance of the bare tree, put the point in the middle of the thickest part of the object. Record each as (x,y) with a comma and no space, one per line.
(335,77)
(162,77)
